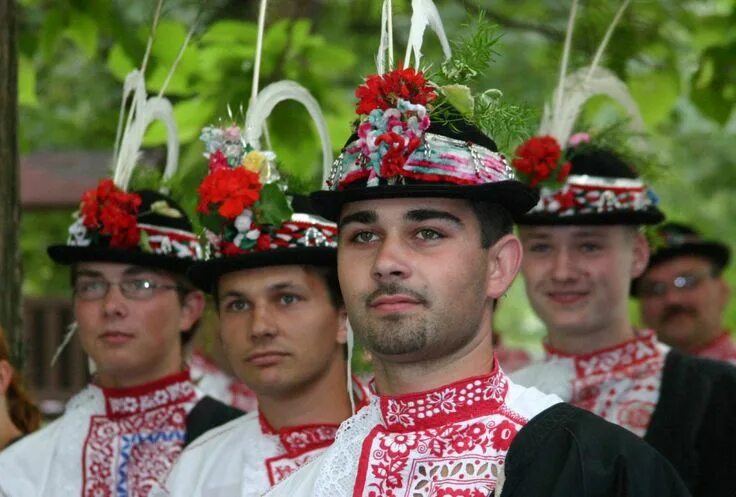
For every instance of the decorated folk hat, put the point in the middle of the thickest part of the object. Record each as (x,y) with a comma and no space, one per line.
(676,240)
(581,178)
(248,217)
(145,228)
(419,138)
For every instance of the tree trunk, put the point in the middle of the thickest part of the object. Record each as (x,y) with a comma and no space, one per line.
(10,263)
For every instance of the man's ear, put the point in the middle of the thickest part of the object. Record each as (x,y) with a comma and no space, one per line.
(342,327)
(503,264)
(641,255)
(6,376)
(192,309)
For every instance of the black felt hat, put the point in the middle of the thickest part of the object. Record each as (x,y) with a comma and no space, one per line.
(601,189)
(305,239)
(454,160)
(679,239)
(159,233)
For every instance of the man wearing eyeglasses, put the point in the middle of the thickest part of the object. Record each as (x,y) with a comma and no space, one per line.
(683,295)
(579,260)
(134,310)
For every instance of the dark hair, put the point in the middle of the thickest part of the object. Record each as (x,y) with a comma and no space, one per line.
(23,412)
(183,288)
(494,220)
(328,275)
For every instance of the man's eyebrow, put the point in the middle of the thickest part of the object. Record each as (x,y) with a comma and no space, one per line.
(418,215)
(89,273)
(361,217)
(137,270)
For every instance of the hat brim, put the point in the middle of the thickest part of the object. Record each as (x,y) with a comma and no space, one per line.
(646,217)
(67,255)
(513,195)
(204,275)
(718,253)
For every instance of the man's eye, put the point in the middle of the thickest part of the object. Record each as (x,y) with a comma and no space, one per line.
(236,306)
(289,299)
(140,284)
(89,286)
(429,234)
(363,237)
(589,247)
(539,248)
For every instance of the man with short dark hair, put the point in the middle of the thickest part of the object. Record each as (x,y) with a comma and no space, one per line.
(420,271)
(683,295)
(133,306)
(282,325)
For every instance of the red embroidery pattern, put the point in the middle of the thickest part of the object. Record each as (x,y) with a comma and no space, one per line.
(132,448)
(620,384)
(168,391)
(451,441)
(721,349)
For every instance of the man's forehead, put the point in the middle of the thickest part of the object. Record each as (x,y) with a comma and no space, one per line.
(573,231)
(682,263)
(114,268)
(400,206)
(264,278)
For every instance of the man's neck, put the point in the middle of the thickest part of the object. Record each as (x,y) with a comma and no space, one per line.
(398,378)
(324,401)
(130,379)
(588,341)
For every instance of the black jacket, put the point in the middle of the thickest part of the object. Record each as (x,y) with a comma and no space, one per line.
(568,452)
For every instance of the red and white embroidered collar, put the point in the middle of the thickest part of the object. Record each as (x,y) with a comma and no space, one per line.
(637,350)
(621,383)
(451,440)
(722,348)
(457,401)
(299,439)
(167,391)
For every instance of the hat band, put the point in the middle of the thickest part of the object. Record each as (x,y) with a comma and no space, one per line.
(439,159)
(584,194)
(302,230)
(154,240)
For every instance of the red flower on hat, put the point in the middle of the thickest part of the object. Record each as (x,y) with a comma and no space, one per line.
(399,150)
(217,161)
(112,212)
(231,191)
(383,92)
(538,158)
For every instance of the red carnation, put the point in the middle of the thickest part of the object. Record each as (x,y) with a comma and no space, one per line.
(217,161)
(113,213)
(383,92)
(538,157)
(263,243)
(231,190)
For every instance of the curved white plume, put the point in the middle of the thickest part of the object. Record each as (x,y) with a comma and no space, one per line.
(260,108)
(385,56)
(578,88)
(424,13)
(143,111)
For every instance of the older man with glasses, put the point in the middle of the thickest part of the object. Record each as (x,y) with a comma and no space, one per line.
(134,311)
(683,294)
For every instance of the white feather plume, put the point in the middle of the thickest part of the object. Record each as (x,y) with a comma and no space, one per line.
(424,13)
(142,112)
(385,56)
(578,88)
(260,108)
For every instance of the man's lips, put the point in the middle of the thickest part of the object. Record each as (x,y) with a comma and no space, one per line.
(265,358)
(394,303)
(567,297)
(116,337)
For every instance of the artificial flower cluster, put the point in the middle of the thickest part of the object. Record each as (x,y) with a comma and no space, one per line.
(394,117)
(540,161)
(236,202)
(109,211)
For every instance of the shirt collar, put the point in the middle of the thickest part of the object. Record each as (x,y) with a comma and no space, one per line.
(174,389)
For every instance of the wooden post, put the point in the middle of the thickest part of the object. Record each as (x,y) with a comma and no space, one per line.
(10,261)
